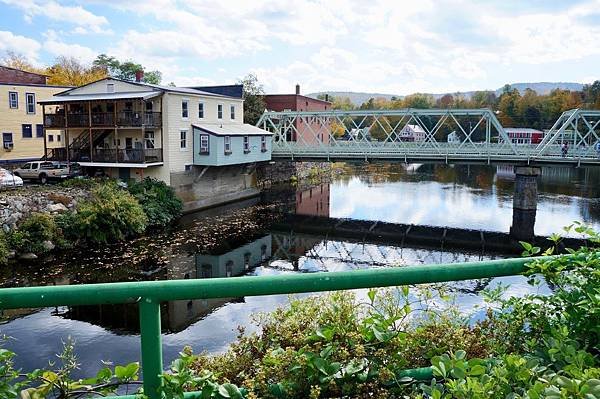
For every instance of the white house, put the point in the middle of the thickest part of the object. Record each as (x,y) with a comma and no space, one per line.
(131,130)
(412,133)
(453,138)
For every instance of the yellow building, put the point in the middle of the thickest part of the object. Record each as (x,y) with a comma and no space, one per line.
(21,119)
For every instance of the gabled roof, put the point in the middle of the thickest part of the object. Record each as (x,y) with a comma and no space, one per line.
(231,129)
(153,87)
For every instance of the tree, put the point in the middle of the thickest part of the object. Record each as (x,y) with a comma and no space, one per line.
(18,61)
(254,98)
(419,100)
(68,71)
(125,70)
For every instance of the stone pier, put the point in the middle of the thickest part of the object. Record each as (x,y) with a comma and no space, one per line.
(524,203)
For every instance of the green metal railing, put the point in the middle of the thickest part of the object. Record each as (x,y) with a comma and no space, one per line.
(149,295)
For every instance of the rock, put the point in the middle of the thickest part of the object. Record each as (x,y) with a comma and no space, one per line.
(19,206)
(48,245)
(28,256)
(56,208)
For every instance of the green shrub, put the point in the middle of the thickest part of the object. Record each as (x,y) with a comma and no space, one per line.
(4,249)
(111,214)
(82,182)
(33,231)
(158,200)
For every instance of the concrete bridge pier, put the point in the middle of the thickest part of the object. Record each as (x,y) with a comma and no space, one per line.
(524,203)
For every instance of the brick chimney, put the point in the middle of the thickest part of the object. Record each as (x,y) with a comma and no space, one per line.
(297,89)
(139,75)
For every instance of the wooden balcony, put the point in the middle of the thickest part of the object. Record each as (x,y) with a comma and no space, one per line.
(137,156)
(103,119)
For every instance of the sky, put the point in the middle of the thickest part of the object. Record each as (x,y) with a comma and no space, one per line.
(383,46)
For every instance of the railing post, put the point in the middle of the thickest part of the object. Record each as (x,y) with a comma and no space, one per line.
(152,361)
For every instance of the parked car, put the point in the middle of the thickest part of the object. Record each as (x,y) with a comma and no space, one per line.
(7,179)
(46,170)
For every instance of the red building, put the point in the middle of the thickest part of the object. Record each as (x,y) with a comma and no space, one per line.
(305,131)
(12,75)
(521,135)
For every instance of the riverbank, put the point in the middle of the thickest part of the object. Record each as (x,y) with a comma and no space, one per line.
(81,212)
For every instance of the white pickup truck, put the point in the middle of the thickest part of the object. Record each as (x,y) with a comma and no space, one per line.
(43,171)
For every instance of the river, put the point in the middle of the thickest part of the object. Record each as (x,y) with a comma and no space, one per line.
(257,238)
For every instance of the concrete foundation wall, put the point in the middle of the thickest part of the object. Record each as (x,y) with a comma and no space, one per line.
(282,171)
(200,188)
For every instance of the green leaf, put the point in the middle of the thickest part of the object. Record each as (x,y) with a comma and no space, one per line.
(230,391)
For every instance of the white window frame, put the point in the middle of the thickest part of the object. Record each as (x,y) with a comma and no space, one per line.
(13,104)
(149,137)
(232,111)
(187,108)
(201,110)
(183,135)
(219,111)
(227,145)
(27,103)
(263,143)
(246,144)
(204,144)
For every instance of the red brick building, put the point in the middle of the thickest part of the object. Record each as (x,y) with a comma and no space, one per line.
(11,75)
(305,132)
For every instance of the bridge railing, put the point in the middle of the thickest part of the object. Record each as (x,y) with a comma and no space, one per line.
(149,294)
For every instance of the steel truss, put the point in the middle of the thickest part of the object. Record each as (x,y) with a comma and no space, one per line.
(376,134)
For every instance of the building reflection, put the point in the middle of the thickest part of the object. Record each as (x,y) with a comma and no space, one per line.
(178,315)
(313,201)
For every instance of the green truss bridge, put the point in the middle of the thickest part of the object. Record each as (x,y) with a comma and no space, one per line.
(429,135)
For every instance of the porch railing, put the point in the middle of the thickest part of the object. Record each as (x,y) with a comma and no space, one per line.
(149,294)
(141,156)
(104,119)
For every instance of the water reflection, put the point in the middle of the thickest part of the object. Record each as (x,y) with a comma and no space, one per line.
(465,196)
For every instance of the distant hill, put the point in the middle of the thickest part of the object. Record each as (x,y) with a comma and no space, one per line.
(358,98)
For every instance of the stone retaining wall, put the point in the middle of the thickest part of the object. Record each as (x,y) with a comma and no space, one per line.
(16,205)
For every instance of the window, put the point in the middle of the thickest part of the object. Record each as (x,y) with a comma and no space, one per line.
(58,137)
(39,130)
(50,138)
(28,165)
(246,144)
(30,103)
(110,87)
(26,131)
(220,111)
(204,144)
(201,110)
(183,140)
(232,111)
(184,108)
(227,141)
(13,99)
(7,139)
(263,143)
(149,139)
(188,168)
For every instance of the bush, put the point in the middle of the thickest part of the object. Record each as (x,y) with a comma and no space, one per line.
(81,182)
(111,214)
(158,200)
(33,231)
(4,249)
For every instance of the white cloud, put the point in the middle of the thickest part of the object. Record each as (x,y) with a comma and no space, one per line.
(20,44)
(55,46)
(76,15)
